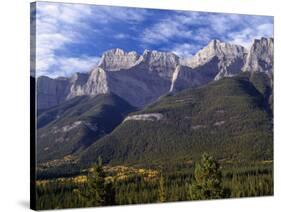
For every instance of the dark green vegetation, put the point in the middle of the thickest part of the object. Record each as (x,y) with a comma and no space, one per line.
(208,180)
(71,127)
(177,185)
(97,191)
(230,118)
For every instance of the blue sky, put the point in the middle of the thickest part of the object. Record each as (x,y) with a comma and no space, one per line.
(72,37)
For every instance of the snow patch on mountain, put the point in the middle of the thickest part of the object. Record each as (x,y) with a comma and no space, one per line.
(145,117)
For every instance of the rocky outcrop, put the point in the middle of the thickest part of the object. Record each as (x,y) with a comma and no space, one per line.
(187,77)
(51,92)
(260,57)
(231,58)
(117,59)
(142,79)
(184,77)
(145,117)
(139,80)
(97,83)
(77,83)
(163,63)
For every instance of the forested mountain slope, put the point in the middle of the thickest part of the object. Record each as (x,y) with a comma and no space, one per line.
(230,118)
(72,126)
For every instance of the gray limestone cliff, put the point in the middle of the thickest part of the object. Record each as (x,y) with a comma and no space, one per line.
(260,57)
(142,79)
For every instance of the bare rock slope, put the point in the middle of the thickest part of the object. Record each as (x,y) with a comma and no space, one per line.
(142,79)
(260,57)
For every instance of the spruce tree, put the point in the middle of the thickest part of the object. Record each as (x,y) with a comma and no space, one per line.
(94,193)
(162,192)
(208,180)
(110,193)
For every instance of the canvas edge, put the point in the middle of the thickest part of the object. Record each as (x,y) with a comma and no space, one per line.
(32,107)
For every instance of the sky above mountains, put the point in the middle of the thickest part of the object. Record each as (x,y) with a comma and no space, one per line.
(72,37)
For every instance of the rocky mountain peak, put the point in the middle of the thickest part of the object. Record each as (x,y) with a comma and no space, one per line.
(155,73)
(222,50)
(214,44)
(79,77)
(263,41)
(153,54)
(260,57)
(163,63)
(50,91)
(117,59)
(231,58)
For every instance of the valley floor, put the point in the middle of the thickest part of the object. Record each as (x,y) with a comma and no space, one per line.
(132,185)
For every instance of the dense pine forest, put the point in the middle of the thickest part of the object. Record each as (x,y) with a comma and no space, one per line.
(164,161)
(205,179)
(149,106)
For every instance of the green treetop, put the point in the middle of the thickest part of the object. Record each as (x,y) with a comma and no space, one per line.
(208,179)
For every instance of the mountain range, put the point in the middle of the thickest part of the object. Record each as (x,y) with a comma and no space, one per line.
(154,73)
(155,107)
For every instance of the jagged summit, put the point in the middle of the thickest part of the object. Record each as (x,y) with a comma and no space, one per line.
(163,63)
(78,76)
(140,79)
(231,58)
(118,51)
(264,39)
(260,57)
(117,59)
(216,48)
(215,43)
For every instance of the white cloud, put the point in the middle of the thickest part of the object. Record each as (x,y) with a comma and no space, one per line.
(195,26)
(120,36)
(165,30)
(108,13)
(54,29)
(200,27)
(266,30)
(220,23)
(247,35)
(67,66)
(185,50)
(59,24)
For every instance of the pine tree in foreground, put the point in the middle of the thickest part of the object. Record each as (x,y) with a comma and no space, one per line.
(208,180)
(94,193)
(162,192)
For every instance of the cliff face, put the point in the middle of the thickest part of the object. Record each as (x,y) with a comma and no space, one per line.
(117,59)
(51,92)
(162,63)
(260,57)
(231,58)
(141,79)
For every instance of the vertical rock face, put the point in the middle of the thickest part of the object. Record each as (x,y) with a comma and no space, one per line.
(138,85)
(141,79)
(77,83)
(163,63)
(97,83)
(231,58)
(187,77)
(51,92)
(116,59)
(260,57)
(89,84)
(183,77)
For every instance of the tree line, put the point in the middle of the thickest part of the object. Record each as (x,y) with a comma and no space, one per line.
(207,182)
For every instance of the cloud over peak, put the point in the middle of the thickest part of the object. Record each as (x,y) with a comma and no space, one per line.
(71,37)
